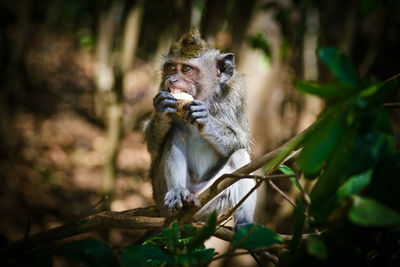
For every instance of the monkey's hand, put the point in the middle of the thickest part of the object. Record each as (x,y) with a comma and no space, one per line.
(177,197)
(165,103)
(196,112)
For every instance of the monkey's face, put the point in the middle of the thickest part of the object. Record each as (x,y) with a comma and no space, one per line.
(181,76)
(200,77)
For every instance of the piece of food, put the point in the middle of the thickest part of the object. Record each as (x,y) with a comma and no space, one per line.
(182,99)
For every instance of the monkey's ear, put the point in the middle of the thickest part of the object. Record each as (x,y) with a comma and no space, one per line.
(225,66)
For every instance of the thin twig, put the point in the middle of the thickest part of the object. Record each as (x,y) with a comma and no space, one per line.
(259,178)
(253,254)
(251,176)
(229,212)
(90,210)
(392,78)
(276,188)
(270,257)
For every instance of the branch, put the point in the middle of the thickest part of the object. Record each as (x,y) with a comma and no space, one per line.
(259,179)
(269,162)
(140,219)
(148,218)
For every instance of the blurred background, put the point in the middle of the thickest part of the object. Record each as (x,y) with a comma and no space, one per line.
(77,80)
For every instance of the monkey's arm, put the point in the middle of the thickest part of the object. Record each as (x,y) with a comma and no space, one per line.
(223,132)
(224,137)
(160,123)
(155,131)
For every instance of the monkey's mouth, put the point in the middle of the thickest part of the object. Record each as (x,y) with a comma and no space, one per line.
(174,90)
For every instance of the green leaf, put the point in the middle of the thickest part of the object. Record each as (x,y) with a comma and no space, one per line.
(298,226)
(198,257)
(327,91)
(204,232)
(355,184)
(381,122)
(202,255)
(286,170)
(369,212)
(371,148)
(316,247)
(171,235)
(145,255)
(156,241)
(370,91)
(340,64)
(188,231)
(90,251)
(254,237)
(323,195)
(320,143)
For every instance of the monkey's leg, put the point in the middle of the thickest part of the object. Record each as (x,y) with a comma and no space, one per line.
(174,172)
(231,196)
(245,213)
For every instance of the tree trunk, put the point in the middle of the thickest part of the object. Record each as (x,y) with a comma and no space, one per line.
(109,92)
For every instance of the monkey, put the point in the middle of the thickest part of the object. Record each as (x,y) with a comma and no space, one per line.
(212,138)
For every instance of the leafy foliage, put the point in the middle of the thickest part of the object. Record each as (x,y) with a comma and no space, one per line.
(369,212)
(254,237)
(174,246)
(340,65)
(185,246)
(350,152)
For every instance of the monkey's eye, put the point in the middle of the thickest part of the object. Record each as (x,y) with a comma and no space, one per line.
(169,68)
(186,68)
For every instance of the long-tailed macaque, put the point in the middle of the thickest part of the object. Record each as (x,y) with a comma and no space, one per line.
(212,137)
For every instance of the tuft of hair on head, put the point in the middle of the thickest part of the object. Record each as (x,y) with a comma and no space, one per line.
(191,45)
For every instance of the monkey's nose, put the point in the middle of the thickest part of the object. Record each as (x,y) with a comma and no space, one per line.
(173,79)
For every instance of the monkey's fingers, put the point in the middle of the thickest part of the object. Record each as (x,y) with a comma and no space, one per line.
(173,200)
(198,118)
(165,102)
(167,110)
(195,103)
(164,97)
(191,199)
(167,106)
(194,110)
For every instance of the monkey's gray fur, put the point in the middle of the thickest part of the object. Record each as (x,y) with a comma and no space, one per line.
(212,138)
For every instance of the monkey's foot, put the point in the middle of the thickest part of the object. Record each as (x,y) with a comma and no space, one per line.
(177,197)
